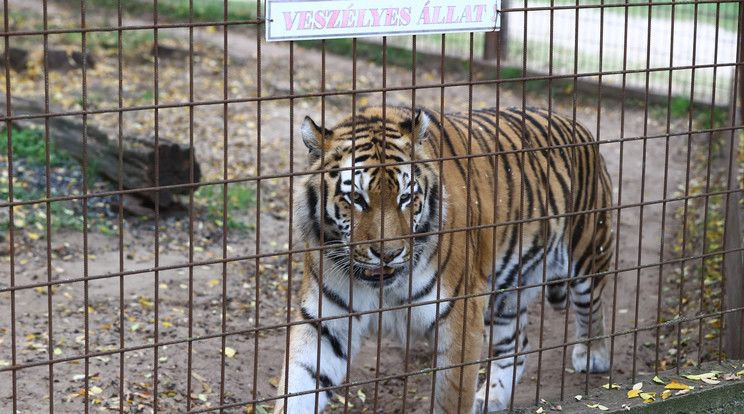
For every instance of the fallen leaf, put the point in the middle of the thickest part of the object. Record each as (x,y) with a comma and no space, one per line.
(230,352)
(539,411)
(658,380)
(613,386)
(674,385)
(578,397)
(95,390)
(730,377)
(647,395)
(710,381)
(556,408)
(638,386)
(361,395)
(682,392)
(633,393)
(274,382)
(602,407)
(666,394)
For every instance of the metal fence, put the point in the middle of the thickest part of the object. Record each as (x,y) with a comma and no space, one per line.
(157,222)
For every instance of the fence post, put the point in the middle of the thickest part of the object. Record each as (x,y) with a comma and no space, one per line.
(732,262)
(497,40)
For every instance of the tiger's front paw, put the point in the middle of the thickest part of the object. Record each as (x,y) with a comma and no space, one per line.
(599,360)
(494,403)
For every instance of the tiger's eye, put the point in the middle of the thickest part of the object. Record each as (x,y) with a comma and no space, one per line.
(358,199)
(405,197)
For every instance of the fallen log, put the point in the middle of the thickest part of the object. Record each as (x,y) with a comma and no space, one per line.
(138,154)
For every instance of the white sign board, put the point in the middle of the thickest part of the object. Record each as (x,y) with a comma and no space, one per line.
(327,19)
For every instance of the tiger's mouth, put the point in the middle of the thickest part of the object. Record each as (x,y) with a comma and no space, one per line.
(377,274)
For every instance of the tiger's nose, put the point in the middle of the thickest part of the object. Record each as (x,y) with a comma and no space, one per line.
(388,255)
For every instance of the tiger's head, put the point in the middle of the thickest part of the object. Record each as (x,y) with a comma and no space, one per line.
(369,189)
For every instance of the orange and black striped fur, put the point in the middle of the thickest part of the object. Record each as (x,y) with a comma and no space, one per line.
(469,242)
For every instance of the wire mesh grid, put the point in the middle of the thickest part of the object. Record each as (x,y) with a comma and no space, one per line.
(156,169)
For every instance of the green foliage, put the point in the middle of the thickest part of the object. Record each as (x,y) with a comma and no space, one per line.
(204,10)
(396,56)
(241,197)
(704,116)
(30,145)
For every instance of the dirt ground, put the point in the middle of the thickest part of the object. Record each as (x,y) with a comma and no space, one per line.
(250,298)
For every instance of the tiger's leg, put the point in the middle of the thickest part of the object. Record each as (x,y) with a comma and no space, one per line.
(586,301)
(495,393)
(304,372)
(453,393)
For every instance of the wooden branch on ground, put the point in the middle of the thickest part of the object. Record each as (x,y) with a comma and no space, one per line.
(138,154)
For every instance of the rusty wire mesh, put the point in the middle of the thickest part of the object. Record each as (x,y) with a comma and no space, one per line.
(176,294)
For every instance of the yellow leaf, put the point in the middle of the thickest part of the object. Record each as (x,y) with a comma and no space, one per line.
(658,380)
(34,236)
(633,393)
(613,386)
(647,395)
(229,352)
(539,411)
(274,382)
(213,282)
(674,385)
(666,394)
(95,390)
(710,381)
(57,351)
(361,395)
(167,324)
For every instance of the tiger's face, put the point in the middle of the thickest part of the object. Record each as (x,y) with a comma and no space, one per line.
(369,192)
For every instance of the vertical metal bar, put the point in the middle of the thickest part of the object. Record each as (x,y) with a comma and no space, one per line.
(347,379)
(383,160)
(495,172)
(48,194)
(120,209)
(290,245)
(410,225)
(259,91)
(440,226)
(707,195)
(156,273)
(190,344)
(615,275)
(687,187)
(468,222)
(225,212)
(572,190)
(546,202)
(86,302)
(665,192)
(643,197)
(11,213)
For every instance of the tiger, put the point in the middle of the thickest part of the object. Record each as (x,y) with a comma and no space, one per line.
(445,227)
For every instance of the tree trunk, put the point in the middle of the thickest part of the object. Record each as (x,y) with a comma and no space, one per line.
(138,154)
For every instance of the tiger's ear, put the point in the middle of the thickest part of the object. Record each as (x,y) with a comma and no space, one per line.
(312,136)
(417,129)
